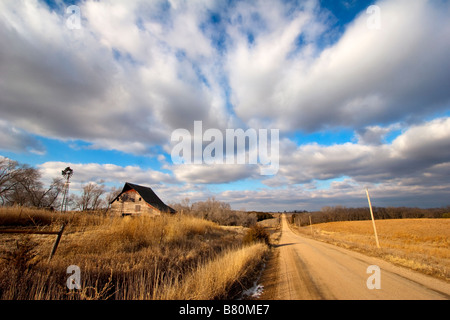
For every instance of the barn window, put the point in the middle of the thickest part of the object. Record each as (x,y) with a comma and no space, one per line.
(140,199)
(137,208)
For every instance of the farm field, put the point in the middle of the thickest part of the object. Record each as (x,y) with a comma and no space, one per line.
(419,244)
(167,257)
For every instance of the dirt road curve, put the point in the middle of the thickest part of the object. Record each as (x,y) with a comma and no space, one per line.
(309,269)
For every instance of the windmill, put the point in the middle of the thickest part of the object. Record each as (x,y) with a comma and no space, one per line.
(67,173)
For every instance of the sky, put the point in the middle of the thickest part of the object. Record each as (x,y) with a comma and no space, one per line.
(358,91)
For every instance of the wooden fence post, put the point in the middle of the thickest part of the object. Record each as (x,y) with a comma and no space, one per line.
(58,238)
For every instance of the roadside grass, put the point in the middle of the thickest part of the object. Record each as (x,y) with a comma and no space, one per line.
(273,227)
(122,258)
(215,278)
(419,244)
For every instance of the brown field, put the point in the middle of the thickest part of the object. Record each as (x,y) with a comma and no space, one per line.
(168,257)
(420,244)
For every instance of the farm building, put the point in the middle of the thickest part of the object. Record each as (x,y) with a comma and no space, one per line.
(138,200)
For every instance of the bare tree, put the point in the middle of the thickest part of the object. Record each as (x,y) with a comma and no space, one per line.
(221,212)
(27,187)
(111,195)
(21,185)
(50,195)
(91,197)
(184,207)
(97,202)
(28,190)
(9,172)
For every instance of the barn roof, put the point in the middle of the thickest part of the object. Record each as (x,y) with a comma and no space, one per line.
(147,195)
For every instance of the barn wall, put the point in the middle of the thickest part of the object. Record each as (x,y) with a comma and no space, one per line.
(134,205)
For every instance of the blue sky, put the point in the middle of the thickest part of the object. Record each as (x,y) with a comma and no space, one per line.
(355,106)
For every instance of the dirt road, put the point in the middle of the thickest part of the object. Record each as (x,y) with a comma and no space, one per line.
(309,269)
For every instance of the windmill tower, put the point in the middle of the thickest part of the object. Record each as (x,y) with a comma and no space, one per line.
(67,173)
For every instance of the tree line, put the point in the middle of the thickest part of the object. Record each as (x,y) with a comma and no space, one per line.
(341,213)
(216,211)
(21,185)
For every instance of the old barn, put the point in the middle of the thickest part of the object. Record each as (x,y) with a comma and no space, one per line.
(138,200)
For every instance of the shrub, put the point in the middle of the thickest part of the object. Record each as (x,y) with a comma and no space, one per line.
(256,233)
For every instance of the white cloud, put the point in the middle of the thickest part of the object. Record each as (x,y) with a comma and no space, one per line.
(110,83)
(418,149)
(375,135)
(367,77)
(18,140)
(408,170)
(346,193)
(108,173)
(217,173)
(137,70)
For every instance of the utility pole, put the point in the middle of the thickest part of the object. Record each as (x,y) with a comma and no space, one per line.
(373,219)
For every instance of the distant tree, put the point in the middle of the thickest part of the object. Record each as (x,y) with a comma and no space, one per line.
(218,211)
(28,191)
(21,185)
(47,198)
(91,199)
(111,195)
(9,173)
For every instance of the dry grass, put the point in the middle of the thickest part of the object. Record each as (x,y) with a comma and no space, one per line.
(420,244)
(119,258)
(21,216)
(215,278)
(40,218)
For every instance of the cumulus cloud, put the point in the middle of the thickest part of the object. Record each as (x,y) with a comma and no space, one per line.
(375,135)
(366,77)
(112,83)
(418,152)
(345,193)
(222,173)
(411,168)
(18,140)
(138,70)
(107,173)
(164,184)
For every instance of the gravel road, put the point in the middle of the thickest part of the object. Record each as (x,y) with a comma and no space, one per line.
(308,269)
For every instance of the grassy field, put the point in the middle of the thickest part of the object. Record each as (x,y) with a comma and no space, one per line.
(420,244)
(168,257)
